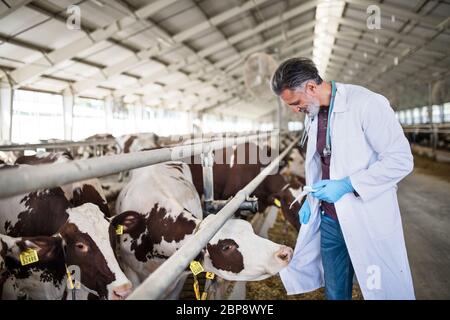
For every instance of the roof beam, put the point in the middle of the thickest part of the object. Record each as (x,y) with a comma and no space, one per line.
(145,54)
(242,55)
(303,52)
(217,20)
(410,40)
(9,6)
(358,41)
(305,7)
(399,11)
(232,40)
(29,71)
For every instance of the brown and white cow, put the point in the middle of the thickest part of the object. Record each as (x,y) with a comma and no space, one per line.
(136,142)
(233,170)
(89,151)
(86,240)
(78,193)
(83,233)
(159,210)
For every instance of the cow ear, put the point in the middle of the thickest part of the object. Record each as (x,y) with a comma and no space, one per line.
(127,221)
(274,199)
(48,248)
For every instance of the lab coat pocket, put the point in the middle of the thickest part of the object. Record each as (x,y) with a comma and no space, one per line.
(381,217)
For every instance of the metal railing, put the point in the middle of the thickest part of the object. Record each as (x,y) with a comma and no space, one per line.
(206,137)
(56,145)
(159,281)
(26,179)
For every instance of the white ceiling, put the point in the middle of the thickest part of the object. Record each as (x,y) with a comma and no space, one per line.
(190,53)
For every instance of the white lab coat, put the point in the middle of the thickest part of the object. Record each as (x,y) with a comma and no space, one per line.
(369,146)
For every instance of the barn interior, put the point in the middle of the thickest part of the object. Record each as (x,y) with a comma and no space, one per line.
(86,75)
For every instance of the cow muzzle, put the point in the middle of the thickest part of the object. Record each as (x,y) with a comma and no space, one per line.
(284,255)
(122,292)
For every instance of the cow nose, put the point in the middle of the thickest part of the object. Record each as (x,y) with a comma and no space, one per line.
(284,254)
(122,292)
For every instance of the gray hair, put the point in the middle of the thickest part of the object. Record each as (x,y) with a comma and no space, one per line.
(292,73)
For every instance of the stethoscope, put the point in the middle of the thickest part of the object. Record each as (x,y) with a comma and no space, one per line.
(309,120)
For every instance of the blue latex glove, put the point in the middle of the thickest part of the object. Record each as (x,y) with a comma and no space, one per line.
(304,213)
(332,190)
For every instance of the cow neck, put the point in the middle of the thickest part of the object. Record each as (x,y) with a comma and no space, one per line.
(3,277)
(73,284)
(210,276)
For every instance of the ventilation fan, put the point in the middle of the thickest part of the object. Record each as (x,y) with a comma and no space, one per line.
(439,92)
(258,70)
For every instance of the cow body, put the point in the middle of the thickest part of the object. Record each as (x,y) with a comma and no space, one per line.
(79,192)
(136,142)
(89,151)
(160,210)
(235,167)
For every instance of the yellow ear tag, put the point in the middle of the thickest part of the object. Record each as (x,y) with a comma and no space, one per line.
(204,295)
(196,289)
(119,229)
(196,267)
(209,275)
(277,203)
(28,256)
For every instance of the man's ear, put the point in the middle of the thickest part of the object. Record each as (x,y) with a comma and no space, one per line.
(128,222)
(311,87)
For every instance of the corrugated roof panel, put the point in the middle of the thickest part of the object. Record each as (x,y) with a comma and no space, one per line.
(56,34)
(20,20)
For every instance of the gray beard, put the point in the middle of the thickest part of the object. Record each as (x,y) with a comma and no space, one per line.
(313,110)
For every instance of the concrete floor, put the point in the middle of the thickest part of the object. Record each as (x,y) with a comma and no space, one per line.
(425,206)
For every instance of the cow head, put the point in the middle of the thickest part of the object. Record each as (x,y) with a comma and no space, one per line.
(41,279)
(86,240)
(236,253)
(284,198)
(89,243)
(295,163)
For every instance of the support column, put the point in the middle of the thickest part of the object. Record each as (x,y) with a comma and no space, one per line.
(189,122)
(138,114)
(109,104)
(68,102)
(6,110)
(430,103)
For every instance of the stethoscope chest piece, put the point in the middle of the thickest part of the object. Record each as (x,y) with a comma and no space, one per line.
(327,151)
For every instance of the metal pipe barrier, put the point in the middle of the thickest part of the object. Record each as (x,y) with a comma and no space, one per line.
(159,281)
(56,145)
(26,179)
(103,142)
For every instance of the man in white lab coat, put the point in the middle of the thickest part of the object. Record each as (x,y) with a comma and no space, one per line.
(356,155)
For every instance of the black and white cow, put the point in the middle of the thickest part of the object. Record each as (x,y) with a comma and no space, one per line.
(160,209)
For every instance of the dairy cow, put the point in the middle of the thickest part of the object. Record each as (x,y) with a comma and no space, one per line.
(234,168)
(78,193)
(159,210)
(136,142)
(80,236)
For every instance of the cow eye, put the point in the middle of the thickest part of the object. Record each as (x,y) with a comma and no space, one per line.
(81,247)
(226,247)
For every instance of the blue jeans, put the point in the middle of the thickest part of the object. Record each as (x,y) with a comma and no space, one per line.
(338,269)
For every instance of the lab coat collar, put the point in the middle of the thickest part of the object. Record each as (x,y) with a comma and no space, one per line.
(340,101)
